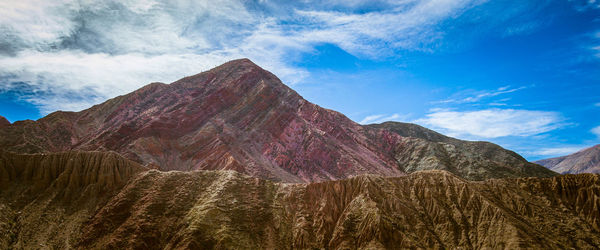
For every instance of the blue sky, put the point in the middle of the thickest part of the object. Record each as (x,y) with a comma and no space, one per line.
(523,74)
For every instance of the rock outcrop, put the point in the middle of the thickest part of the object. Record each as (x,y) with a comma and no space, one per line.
(584,161)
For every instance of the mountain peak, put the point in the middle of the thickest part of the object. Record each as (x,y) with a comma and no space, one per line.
(238,65)
(239,62)
(231,74)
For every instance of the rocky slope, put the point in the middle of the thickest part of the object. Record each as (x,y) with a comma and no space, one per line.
(45,199)
(584,161)
(420,148)
(240,117)
(3,121)
(415,131)
(48,203)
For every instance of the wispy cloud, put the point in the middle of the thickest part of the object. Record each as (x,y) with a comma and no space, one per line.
(55,77)
(596,131)
(369,34)
(111,47)
(594,44)
(479,95)
(493,123)
(383,118)
(558,151)
(584,5)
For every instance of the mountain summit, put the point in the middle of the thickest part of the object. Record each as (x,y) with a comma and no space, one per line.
(241,117)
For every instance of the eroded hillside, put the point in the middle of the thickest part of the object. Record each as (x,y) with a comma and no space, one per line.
(118,204)
(46,198)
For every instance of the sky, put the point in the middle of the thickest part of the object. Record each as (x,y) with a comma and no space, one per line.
(522,74)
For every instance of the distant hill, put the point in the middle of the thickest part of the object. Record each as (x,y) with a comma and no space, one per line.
(425,149)
(584,161)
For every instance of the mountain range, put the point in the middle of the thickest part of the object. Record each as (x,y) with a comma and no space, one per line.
(241,117)
(231,158)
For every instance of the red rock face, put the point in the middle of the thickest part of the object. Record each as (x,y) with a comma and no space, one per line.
(236,116)
(240,117)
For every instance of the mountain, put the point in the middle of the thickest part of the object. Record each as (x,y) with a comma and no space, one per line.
(584,161)
(241,117)
(424,149)
(99,200)
(236,116)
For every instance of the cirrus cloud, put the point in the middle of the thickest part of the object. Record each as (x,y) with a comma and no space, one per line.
(493,123)
(565,150)
(383,118)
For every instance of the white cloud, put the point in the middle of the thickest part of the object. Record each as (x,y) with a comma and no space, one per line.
(383,118)
(586,5)
(104,75)
(363,34)
(493,123)
(112,47)
(596,131)
(558,151)
(35,21)
(370,119)
(479,95)
(596,51)
(117,53)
